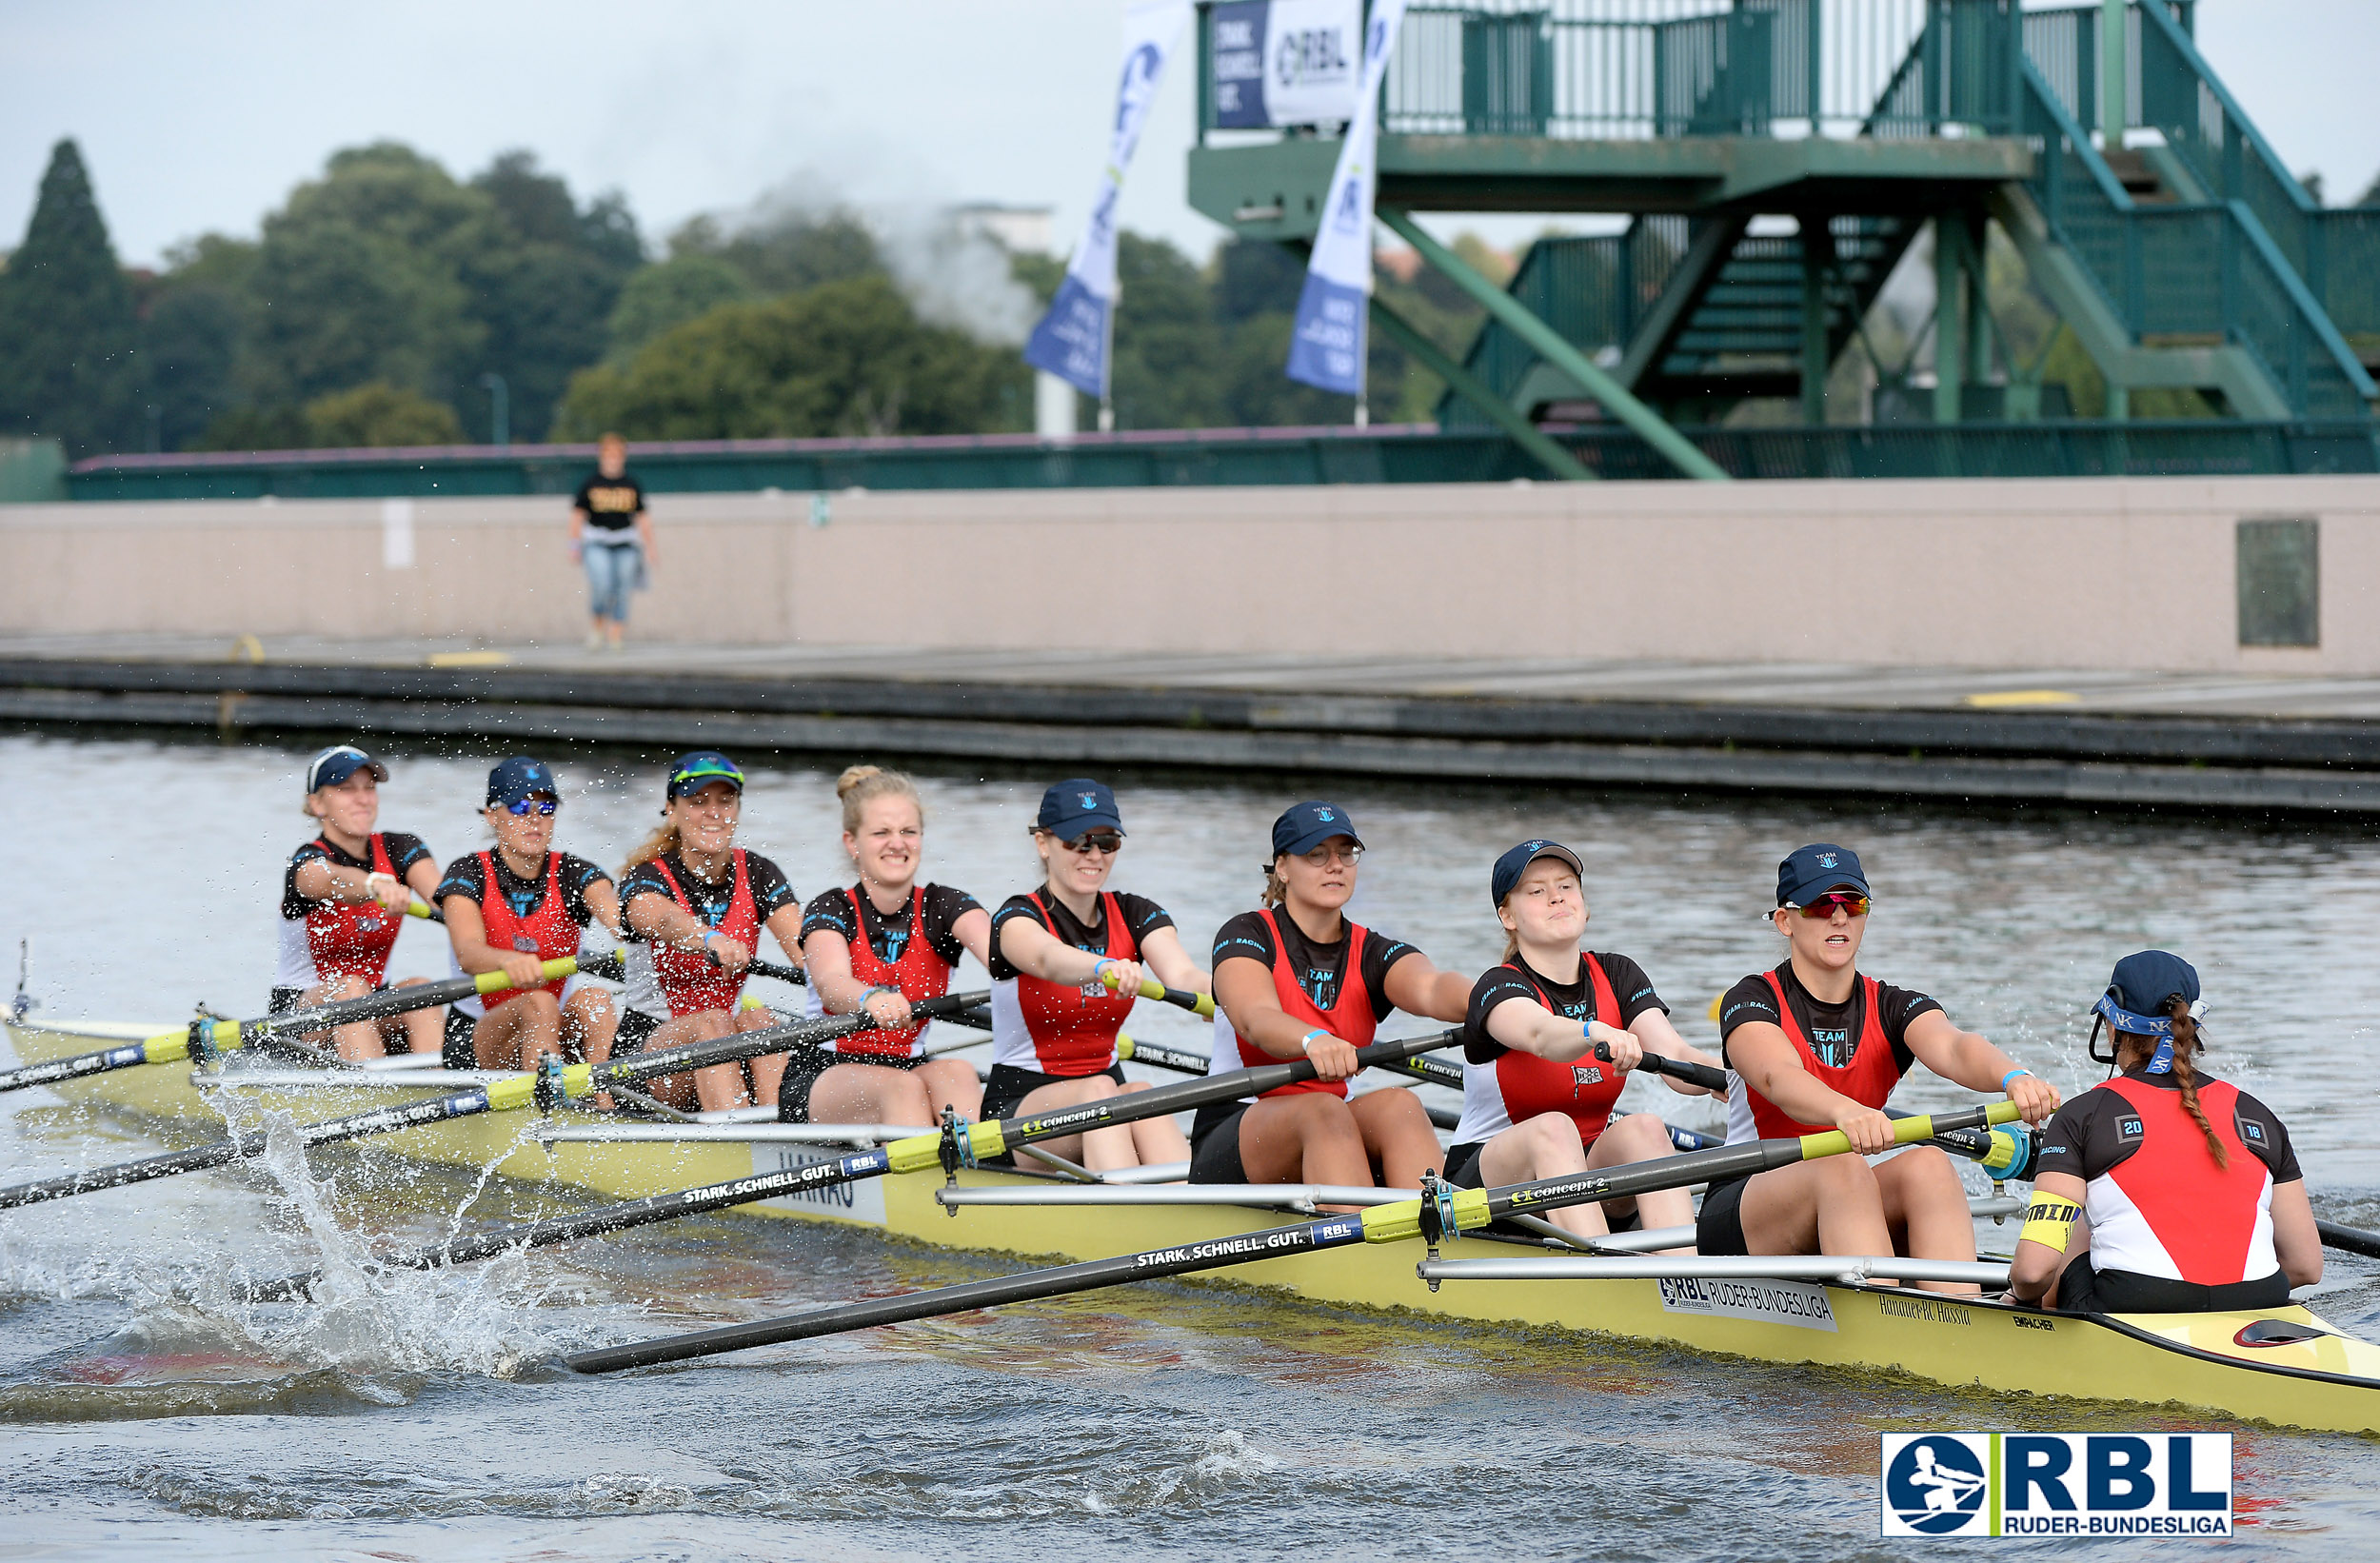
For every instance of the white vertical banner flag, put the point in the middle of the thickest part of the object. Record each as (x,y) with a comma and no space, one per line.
(1072,339)
(1327,344)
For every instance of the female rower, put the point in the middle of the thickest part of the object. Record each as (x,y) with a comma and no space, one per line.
(1066,966)
(1298,978)
(698,902)
(1815,1044)
(343,902)
(513,908)
(880,945)
(1535,1104)
(2188,1188)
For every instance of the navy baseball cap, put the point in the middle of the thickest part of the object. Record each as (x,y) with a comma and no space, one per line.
(693,772)
(2141,984)
(1304,826)
(1514,864)
(519,778)
(1073,809)
(1814,870)
(336,764)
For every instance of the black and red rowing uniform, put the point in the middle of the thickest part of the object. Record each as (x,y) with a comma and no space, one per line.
(2171,1229)
(540,917)
(1504,1086)
(1859,1048)
(687,981)
(324,940)
(1044,1031)
(1339,987)
(913,950)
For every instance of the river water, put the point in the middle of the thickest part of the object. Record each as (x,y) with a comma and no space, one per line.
(427,1420)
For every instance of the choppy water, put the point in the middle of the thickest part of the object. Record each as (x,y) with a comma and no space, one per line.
(425,1420)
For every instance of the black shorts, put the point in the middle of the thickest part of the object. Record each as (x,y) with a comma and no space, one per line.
(636,1029)
(1214,1144)
(454,1048)
(805,1064)
(1004,1093)
(1719,1225)
(285,1000)
(2085,1290)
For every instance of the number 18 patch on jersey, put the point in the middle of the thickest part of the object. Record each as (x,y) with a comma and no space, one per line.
(2055,1484)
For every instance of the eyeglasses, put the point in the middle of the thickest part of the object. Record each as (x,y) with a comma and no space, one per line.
(1324,857)
(1096,840)
(526,806)
(1826,905)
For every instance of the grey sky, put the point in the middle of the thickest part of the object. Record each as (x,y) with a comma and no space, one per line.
(198,117)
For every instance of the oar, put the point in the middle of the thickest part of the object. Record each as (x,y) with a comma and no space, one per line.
(2351,1239)
(1200,1004)
(2008,1154)
(1442,1211)
(949,1148)
(1184,1060)
(426,912)
(546,1087)
(201,1036)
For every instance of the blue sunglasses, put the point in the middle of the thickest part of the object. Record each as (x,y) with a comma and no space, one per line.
(527,805)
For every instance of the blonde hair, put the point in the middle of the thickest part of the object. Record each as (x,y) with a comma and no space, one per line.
(661,842)
(861,785)
(1276,888)
(2184,1075)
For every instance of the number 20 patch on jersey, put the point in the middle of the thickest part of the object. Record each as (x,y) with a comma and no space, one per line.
(2055,1484)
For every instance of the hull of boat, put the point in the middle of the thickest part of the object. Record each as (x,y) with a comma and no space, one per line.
(2330,1381)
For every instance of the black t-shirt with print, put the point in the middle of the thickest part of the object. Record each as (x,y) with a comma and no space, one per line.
(888,934)
(1832,1029)
(1574,999)
(770,892)
(1142,916)
(611,504)
(1318,966)
(464,878)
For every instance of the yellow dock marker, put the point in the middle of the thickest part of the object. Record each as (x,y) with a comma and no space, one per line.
(2004,700)
(469,658)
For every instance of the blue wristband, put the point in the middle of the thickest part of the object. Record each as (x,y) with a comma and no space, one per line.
(2010,1076)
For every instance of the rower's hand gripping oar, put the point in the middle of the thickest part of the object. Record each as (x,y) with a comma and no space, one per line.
(203,1039)
(545,1088)
(1443,1211)
(949,1148)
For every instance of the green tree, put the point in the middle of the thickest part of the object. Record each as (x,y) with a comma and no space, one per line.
(1170,357)
(846,357)
(786,252)
(68,333)
(380,414)
(661,298)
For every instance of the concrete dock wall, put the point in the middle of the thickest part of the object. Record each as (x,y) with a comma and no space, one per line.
(2104,573)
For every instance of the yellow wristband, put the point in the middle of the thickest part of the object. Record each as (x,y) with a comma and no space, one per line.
(2050,1222)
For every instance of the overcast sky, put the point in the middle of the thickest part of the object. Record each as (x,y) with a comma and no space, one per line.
(200,118)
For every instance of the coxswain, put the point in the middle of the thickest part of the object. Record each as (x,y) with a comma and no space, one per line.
(1297,978)
(1816,1044)
(1536,1101)
(697,903)
(344,901)
(2162,1189)
(512,908)
(882,944)
(1067,964)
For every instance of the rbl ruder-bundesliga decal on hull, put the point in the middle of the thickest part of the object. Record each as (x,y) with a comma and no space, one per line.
(2053,1484)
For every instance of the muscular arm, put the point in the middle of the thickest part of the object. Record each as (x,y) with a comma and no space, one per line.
(658,919)
(318,878)
(1526,1026)
(1162,952)
(1418,988)
(973,930)
(785,925)
(1037,952)
(2295,1238)
(1764,1056)
(421,878)
(468,932)
(1965,1059)
(2037,1264)
(1243,986)
(827,955)
(602,900)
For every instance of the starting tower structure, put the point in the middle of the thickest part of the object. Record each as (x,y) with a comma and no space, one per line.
(1776,159)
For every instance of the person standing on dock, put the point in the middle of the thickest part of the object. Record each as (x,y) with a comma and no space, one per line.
(1066,962)
(343,902)
(511,910)
(882,944)
(612,537)
(1816,1045)
(696,901)
(2187,1188)
(1535,1103)
(1297,978)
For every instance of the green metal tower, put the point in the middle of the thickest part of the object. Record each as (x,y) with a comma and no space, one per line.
(1776,159)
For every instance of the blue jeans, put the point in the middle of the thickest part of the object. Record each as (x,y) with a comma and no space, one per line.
(613,570)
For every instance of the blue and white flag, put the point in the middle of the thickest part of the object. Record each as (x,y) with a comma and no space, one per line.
(1327,345)
(1071,340)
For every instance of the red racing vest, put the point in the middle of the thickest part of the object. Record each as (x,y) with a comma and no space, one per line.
(1868,1080)
(546,933)
(2214,1223)
(354,939)
(920,974)
(1350,1018)
(1584,1090)
(689,982)
(1063,1028)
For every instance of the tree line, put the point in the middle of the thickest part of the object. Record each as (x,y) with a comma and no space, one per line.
(388,303)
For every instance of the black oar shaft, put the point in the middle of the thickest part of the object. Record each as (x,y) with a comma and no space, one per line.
(2348,1239)
(1281,1242)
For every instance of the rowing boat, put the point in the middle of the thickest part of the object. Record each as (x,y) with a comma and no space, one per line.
(2283,1366)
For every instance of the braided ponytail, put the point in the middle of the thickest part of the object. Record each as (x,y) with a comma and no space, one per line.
(2186,1043)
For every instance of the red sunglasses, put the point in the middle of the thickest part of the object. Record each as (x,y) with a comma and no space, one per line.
(1824,906)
